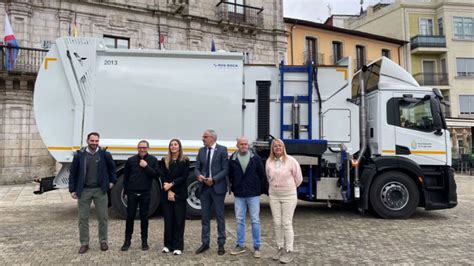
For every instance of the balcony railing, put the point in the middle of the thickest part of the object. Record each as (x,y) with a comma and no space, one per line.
(240,14)
(28,60)
(336,60)
(428,41)
(430,79)
(358,63)
(310,58)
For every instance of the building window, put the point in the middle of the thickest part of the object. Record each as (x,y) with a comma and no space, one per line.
(426,26)
(360,56)
(445,108)
(440,27)
(443,66)
(466,104)
(386,53)
(116,42)
(336,51)
(463,28)
(235,6)
(465,67)
(311,54)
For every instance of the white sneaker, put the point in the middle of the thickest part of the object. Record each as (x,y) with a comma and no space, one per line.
(278,254)
(177,252)
(165,250)
(286,257)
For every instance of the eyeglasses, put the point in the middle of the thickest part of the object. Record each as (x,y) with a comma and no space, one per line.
(142,148)
(205,137)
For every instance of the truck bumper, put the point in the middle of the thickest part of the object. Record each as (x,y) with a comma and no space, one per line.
(442,196)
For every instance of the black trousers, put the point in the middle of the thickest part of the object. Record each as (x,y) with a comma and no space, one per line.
(142,200)
(174,216)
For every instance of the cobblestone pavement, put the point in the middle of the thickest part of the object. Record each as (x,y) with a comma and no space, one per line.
(42,229)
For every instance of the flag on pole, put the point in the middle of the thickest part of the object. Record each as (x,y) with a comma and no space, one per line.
(73,31)
(162,41)
(213,45)
(74,26)
(11,44)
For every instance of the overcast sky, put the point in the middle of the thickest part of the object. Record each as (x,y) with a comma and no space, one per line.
(317,10)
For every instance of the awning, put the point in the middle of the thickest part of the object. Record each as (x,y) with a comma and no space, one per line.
(453,122)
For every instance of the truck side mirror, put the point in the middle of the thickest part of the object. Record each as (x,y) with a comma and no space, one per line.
(437,120)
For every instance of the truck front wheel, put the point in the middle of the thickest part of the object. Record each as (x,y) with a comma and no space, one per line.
(119,200)
(394,195)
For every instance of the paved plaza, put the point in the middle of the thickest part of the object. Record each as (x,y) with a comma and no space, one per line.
(42,229)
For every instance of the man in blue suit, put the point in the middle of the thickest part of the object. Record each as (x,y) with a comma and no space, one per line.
(211,170)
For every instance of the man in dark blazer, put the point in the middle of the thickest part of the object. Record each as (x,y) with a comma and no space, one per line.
(211,170)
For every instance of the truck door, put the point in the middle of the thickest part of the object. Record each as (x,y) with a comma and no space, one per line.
(419,133)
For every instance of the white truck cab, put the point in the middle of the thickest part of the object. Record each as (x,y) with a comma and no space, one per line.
(409,146)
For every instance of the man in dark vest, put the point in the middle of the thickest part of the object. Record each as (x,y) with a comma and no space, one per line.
(92,174)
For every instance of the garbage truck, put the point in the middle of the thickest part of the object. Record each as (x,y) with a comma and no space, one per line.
(375,139)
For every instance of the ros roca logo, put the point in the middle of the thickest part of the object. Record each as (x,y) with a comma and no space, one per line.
(414,144)
(225,65)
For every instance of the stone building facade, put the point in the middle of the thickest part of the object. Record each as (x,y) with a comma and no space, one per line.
(253,27)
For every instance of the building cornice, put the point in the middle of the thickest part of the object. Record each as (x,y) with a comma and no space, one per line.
(321,26)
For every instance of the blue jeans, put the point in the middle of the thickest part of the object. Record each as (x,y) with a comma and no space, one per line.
(253,205)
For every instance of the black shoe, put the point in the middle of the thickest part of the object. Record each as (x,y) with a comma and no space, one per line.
(202,248)
(126,245)
(220,251)
(104,246)
(83,249)
(145,246)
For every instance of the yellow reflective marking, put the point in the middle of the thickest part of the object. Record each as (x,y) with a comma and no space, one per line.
(418,152)
(127,148)
(428,152)
(47,59)
(339,69)
(57,148)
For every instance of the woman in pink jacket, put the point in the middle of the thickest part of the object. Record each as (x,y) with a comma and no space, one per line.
(284,176)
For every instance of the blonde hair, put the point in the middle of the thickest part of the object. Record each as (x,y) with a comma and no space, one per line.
(272,154)
(181,156)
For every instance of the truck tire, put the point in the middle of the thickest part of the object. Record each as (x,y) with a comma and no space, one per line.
(119,201)
(394,195)
(193,203)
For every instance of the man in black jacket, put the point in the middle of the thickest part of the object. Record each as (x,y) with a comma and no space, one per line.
(248,179)
(91,175)
(139,172)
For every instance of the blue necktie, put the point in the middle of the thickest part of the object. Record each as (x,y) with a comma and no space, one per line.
(208,163)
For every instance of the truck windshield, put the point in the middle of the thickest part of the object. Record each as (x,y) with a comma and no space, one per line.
(417,116)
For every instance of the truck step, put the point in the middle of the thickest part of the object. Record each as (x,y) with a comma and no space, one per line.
(435,187)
